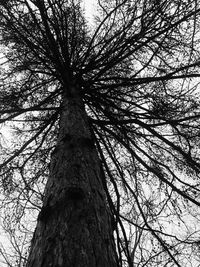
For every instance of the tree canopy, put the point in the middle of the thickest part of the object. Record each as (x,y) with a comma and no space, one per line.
(138,67)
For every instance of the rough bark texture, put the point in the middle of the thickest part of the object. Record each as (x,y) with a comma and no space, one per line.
(74,225)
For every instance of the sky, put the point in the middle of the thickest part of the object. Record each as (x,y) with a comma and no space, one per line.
(89,6)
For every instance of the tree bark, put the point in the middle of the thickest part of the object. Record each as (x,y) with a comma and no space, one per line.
(74,226)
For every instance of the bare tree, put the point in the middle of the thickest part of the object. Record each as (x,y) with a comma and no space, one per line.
(108,117)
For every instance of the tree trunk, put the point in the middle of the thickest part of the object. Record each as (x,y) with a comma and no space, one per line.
(74,225)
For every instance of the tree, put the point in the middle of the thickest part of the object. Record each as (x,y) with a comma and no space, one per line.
(108,117)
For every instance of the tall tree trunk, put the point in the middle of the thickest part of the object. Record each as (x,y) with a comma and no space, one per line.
(74,225)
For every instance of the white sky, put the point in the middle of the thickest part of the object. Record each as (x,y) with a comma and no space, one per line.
(90,8)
